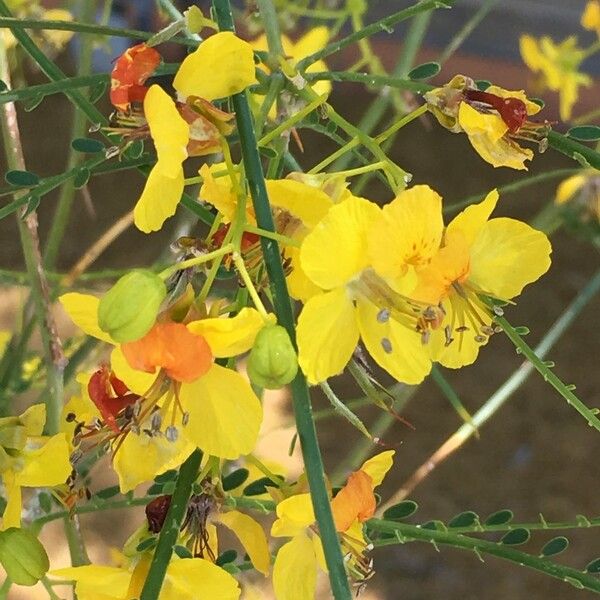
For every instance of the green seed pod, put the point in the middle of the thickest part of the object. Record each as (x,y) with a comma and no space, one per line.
(22,556)
(128,310)
(272,362)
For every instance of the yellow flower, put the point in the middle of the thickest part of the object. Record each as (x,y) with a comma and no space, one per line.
(295,568)
(222,65)
(492,119)
(217,408)
(186,579)
(297,208)
(356,301)
(583,187)
(590,19)
(479,258)
(29,459)
(558,67)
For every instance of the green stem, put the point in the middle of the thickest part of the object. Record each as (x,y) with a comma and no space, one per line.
(405,533)
(75,542)
(28,231)
(386,24)
(172,524)
(546,372)
(62,213)
(582,154)
(14,23)
(283,309)
(380,104)
(376,80)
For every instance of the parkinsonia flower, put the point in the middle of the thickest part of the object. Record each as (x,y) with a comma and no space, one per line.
(221,66)
(558,68)
(29,459)
(178,398)
(492,119)
(354,301)
(185,579)
(295,569)
(584,189)
(479,258)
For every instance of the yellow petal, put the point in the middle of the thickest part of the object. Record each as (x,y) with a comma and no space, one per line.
(402,354)
(219,192)
(194,578)
(569,187)
(507,255)
(378,466)
(83,311)
(46,465)
(327,335)
(96,581)
(475,122)
(294,514)
(530,52)
(299,284)
(314,40)
(473,218)
(222,65)
(230,336)
(138,382)
(57,37)
(305,202)
(159,199)
(34,419)
(251,536)
(225,414)
(295,570)
(407,232)
(336,249)
(140,458)
(464,348)
(13,509)
(169,130)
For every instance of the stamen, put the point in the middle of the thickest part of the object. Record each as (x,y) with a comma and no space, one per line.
(171,433)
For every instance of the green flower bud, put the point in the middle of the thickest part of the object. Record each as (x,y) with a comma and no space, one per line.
(22,556)
(272,362)
(128,310)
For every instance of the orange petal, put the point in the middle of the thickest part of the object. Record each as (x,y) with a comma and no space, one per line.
(171,346)
(354,501)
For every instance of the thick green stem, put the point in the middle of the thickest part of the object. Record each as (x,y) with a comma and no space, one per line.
(172,524)
(283,309)
(582,154)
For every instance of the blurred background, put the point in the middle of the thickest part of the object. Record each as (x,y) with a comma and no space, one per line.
(536,455)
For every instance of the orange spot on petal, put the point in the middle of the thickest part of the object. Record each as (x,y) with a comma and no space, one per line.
(354,501)
(183,355)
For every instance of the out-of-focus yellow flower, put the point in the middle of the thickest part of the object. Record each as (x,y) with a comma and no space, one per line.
(312,41)
(492,119)
(558,68)
(295,569)
(185,579)
(590,19)
(29,459)
(583,187)
(479,257)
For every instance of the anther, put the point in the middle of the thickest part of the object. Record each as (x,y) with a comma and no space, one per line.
(70,417)
(462,328)
(171,433)
(480,339)
(487,330)
(386,345)
(185,419)
(155,421)
(448,335)
(383,316)
(498,311)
